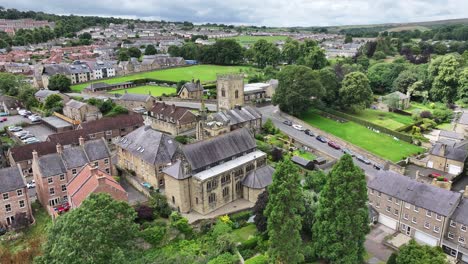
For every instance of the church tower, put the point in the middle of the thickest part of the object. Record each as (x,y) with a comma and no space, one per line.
(230,91)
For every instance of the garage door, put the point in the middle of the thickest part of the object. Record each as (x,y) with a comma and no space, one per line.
(453,169)
(425,238)
(387,221)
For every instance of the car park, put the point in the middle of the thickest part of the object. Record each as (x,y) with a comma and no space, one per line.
(287,122)
(309,133)
(321,139)
(363,159)
(31,184)
(14,128)
(333,145)
(348,151)
(298,127)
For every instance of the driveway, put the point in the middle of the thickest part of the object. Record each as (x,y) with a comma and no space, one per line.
(379,253)
(14,120)
(271,112)
(134,196)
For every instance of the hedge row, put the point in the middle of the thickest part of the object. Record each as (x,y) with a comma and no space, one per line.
(365,123)
(408,127)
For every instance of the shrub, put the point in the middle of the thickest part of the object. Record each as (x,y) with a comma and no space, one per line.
(225,258)
(260,137)
(241,217)
(144,213)
(154,234)
(250,243)
(180,223)
(442,115)
(159,203)
(425,114)
(260,259)
(276,155)
(182,139)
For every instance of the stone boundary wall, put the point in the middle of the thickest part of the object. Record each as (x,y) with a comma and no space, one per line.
(136,184)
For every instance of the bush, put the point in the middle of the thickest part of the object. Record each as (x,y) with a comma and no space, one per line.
(144,213)
(180,223)
(154,234)
(181,139)
(225,258)
(260,259)
(241,217)
(425,114)
(442,115)
(250,243)
(260,137)
(159,203)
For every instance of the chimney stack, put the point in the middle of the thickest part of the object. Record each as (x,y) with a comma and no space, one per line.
(59,148)
(465,194)
(35,155)
(417,176)
(443,150)
(81,140)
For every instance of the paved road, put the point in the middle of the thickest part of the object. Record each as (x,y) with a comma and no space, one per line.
(273,113)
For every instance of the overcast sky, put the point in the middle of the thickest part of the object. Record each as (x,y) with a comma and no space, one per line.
(258,12)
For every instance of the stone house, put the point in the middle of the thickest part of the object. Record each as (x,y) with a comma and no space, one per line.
(146,152)
(22,155)
(93,180)
(80,111)
(449,158)
(396,100)
(53,172)
(455,238)
(14,198)
(461,126)
(215,172)
(416,209)
(255,91)
(133,101)
(191,90)
(9,104)
(42,95)
(171,119)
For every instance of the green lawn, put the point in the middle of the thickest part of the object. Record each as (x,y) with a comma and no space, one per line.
(379,144)
(154,89)
(244,233)
(445,126)
(304,154)
(250,40)
(386,119)
(205,73)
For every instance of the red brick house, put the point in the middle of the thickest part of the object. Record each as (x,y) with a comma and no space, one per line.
(93,180)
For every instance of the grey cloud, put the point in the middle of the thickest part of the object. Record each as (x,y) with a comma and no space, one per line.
(261,12)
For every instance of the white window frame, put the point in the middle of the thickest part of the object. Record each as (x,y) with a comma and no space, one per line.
(379,194)
(407,205)
(388,209)
(63,176)
(390,199)
(450,235)
(50,180)
(396,211)
(397,201)
(64,189)
(7,208)
(19,192)
(106,161)
(52,191)
(6,196)
(406,216)
(416,209)
(428,213)
(453,223)
(438,217)
(427,225)
(414,220)
(463,228)
(461,239)
(24,204)
(436,229)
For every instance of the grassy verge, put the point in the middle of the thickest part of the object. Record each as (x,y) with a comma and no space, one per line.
(153,89)
(304,154)
(205,73)
(386,119)
(378,144)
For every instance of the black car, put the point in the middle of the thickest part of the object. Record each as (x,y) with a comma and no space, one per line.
(308,132)
(377,166)
(321,139)
(287,122)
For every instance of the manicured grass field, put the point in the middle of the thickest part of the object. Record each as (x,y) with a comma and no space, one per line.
(244,233)
(304,154)
(205,73)
(386,119)
(379,144)
(154,89)
(250,40)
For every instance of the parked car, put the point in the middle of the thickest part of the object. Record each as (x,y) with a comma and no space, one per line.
(363,159)
(25,113)
(14,128)
(3,119)
(333,145)
(21,133)
(31,140)
(321,139)
(24,137)
(377,166)
(65,207)
(298,127)
(348,151)
(287,122)
(147,185)
(35,118)
(308,132)
(3,114)
(434,175)
(31,184)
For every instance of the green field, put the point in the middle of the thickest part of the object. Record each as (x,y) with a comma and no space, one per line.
(154,89)
(386,119)
(379,144)
(205,73)
(250,40)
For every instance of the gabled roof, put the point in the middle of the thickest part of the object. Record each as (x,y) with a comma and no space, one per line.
(237,116)
(135,97)
(206,152)
(87,181)
(259,178)
(451,152)
(51,165)
(11,179)
(193,86)
(24,152)
(44,93)
(181,114)
(75,104)
(150,145)
(301,161)
(176,171)
(461,212)
(423,195)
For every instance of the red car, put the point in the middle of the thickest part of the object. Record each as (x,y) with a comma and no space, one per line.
(333,145)
(3,119)
(64,208)
(434,175)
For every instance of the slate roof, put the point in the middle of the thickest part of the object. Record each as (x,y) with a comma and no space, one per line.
(451,152)
(301,161)
(53,69)
(74,157)
(451,134)
(24,152)
(176,171)
(423,195)
(193,86)
(213,150)
(11,179)
(135,97)
(44,93)
(259,178)
(461,212)
(150,145)
(75,104)
(237,116)
(463,118)
(181,114)
(111,123)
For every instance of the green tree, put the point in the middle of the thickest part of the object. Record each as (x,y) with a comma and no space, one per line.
(445,84)
(297,86)
(85,35)
(291,51)
(150,50)
(315,180)
(348,39)
(134,52)
(413,253)
(101,230)
(53,103)
(342,203)
(265,53)
(261,220)
(355,92)
(331,85)
(404,80)
(285,205)
(313,55)
(123,55)
(59,82)
(463,88)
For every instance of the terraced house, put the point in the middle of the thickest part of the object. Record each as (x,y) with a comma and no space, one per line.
(14,201)
(429,214)
(171,119)
(53,172)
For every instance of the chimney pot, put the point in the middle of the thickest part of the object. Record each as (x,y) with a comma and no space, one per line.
(81,141)
(35,155)
(465,194)
(59,148)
